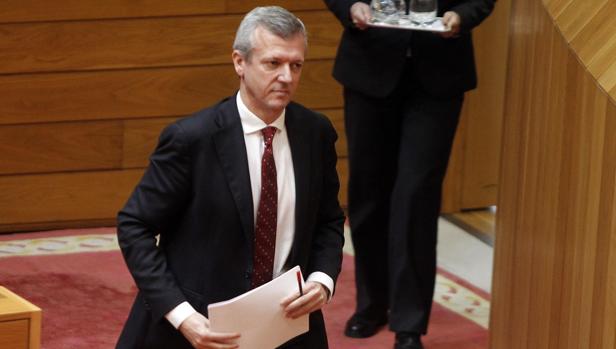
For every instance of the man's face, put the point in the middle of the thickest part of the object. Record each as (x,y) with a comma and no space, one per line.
(269,78)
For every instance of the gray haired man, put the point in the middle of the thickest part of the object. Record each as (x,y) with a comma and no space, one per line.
(239,193)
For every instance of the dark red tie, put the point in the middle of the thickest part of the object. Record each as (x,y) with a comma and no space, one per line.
(265,228)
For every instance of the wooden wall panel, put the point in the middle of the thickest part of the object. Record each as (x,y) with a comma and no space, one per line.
(553,284)
(129,43)
(588,26)
(503,295)
(33,98)
(603,324)
(125,43)
(140,139)
(482,137)
(108,78)
(42,10)
(294,5)
(97,145)
(343,175)
(64,196)
(60,147)
(318,89)
(472,176)
(337,118)
(119,94)
(86,90)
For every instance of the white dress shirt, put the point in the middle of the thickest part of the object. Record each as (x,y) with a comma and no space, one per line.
(285,180)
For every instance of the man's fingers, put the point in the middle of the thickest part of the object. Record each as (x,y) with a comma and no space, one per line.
(196,328)
(223,337)
(296,303)
(296,299)
(312,300)
(288,300)
(301,309)
(211,345)
(306,308)
(218,340)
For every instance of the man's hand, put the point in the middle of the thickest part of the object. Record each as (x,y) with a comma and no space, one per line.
(196,328)
(314,298)
(360,15)
(452,21)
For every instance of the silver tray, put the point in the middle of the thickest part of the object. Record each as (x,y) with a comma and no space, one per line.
(404,23)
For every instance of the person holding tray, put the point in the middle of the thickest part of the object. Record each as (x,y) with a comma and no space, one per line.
(403,92)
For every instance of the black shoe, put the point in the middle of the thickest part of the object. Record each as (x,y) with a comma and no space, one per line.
(408,340)
(360,328)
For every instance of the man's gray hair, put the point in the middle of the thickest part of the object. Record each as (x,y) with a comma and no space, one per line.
(274,19)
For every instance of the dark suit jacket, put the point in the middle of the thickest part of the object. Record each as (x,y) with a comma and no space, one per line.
(196,194)
(371,61)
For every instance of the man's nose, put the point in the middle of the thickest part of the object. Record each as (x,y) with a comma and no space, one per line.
(285,74)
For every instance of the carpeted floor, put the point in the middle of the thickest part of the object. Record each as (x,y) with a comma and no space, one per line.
(85,291)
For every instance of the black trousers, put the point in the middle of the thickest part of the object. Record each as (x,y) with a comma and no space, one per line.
(399,147)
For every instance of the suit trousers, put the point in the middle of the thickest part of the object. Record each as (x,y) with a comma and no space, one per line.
(399,147)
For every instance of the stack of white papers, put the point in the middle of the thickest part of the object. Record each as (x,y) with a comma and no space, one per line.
(258,316)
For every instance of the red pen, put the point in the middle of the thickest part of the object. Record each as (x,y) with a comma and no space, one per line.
(299,283)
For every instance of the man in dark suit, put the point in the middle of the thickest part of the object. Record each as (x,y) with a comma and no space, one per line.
(403,91)
(238,193)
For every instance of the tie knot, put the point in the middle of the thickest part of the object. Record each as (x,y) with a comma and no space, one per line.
(268,135)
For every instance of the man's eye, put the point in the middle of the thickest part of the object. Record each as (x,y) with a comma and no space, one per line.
(272,64)
(296,66)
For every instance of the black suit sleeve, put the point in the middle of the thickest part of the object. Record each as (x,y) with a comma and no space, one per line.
(472,12)
(326,251)
(155,203)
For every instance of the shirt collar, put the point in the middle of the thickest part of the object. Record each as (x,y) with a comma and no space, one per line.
(252,123)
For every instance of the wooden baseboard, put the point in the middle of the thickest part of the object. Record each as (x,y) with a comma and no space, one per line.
(479,223)
(39,226)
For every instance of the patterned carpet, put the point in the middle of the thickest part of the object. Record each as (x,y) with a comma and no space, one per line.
(79,280)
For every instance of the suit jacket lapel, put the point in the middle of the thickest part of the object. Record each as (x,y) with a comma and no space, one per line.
(231,149)
(300,153)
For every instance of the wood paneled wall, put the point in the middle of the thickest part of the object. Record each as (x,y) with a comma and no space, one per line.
(555,259)
(85,90)
(472,177)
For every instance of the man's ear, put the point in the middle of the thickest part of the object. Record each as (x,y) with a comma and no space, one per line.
(238,62)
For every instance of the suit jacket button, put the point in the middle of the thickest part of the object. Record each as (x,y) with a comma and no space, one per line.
(247,275)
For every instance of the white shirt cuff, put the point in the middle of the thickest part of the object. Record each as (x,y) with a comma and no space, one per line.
(324,280)
(180,313)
